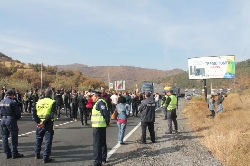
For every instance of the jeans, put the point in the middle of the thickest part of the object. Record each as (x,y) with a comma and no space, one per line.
(220,108)
(121,132)
(157,103)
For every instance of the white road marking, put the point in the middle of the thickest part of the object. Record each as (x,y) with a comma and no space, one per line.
(35,131)
(112,151)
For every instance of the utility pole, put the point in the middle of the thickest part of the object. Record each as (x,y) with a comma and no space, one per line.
(41,79)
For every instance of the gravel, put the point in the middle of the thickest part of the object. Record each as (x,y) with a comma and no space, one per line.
(181,149)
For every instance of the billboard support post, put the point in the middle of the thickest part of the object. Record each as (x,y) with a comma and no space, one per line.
(205,88)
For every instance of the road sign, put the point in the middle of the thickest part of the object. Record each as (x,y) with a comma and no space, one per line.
(111,86)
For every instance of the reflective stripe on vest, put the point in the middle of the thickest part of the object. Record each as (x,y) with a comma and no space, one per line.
(97,119)
(173,102)
(44,107)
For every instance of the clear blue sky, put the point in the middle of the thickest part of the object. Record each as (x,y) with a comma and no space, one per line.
(160,34)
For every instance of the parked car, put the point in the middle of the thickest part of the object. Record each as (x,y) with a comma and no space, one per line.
(188,97)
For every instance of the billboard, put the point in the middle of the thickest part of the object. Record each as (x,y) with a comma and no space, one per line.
(120,85)
(211,67)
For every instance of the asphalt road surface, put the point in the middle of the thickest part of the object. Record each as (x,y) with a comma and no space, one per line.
(72,143)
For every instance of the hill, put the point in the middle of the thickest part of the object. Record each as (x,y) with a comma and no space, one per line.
(132,75)
(4,57)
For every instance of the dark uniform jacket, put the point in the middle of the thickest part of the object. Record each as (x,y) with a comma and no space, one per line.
(147,109)
(8,107)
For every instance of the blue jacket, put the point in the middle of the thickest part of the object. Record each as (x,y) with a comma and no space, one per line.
(8,107)
(123,111)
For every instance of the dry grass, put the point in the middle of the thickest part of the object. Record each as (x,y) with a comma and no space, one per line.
(227,136)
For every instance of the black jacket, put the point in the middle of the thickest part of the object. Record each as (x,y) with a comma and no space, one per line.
(81,101)
(147,109)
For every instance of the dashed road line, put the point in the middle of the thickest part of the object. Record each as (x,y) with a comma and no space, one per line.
(21,135)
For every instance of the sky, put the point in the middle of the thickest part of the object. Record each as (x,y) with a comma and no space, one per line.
(155,34)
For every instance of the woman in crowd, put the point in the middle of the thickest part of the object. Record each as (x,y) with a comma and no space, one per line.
(122,115)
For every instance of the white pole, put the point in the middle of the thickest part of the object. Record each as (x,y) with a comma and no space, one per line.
(41,78)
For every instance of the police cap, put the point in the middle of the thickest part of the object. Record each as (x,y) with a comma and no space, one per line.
(97,93)
(9,92)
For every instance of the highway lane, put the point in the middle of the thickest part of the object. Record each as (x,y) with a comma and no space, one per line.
(72,144)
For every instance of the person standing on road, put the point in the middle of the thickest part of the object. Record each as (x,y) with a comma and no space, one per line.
(10,113)
(25,101)
(147,110)
(106,97)
(66,104)
(122,115)
(156,97)
(100,120)
(211,106)
(44,117)
(74,105)
(59,103)
(163,104)
(81,99)
(89,103)
(221,98)
(114,99)
(171,103)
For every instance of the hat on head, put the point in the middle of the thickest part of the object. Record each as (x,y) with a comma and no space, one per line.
(48,92)
(170,91)
(147,93)
(9,92)
(97,93)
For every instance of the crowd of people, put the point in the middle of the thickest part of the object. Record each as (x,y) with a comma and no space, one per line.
(94,105)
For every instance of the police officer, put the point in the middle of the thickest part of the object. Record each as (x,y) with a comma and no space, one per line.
(171,103)
(44,117)
(147,110)
(10,113)
(100,120)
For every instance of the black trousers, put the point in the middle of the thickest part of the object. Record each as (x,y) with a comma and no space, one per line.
(83,114)
(99,145)
(150,126)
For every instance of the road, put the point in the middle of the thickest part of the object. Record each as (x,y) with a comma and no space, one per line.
(72,143)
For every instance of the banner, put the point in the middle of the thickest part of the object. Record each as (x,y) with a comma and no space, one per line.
(212,67)
(120,85)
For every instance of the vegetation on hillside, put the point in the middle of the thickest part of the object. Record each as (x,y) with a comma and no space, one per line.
(28,77)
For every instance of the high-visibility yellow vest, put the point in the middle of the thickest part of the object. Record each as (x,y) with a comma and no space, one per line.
(44,107)
(173,102)
(97,119)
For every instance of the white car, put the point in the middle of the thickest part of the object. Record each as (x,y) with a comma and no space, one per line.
(188,97)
